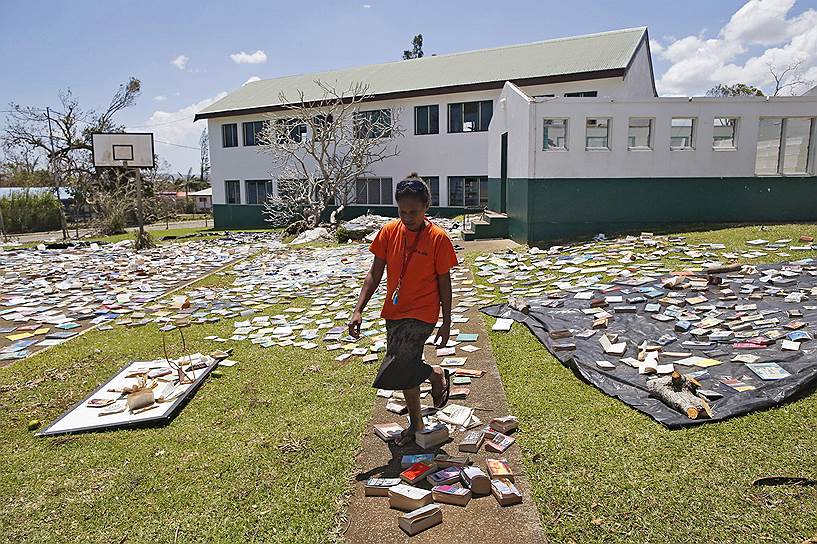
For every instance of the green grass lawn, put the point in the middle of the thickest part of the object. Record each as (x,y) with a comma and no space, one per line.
(261,454)
(602,472)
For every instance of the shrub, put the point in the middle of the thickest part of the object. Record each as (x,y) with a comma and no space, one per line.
(25,211)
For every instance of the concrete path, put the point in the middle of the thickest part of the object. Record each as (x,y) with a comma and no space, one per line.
(369,518)
(56,235)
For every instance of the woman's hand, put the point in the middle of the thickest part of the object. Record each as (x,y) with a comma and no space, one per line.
(442,334)
(354,324)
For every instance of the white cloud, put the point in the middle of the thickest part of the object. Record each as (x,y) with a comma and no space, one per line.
(177,127)
(249,58)
(699,63)
(366,6)
(159,98)
(251,79)
(180,62)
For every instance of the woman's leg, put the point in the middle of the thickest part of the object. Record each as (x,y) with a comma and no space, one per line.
(415,416)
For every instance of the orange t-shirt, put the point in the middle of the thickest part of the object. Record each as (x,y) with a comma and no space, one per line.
(419,296)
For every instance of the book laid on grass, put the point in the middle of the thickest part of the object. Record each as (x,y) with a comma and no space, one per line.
(450,475)
(379,487)
(408,460)
(476,480)
(417,472)
(407,498)
(451,494)
(420,519)
(502,324)
(498,442)
(768,371)
(431,436)
(499,469)
(387,431)
(471,442)
(504,424)
(445,461)
(505,492)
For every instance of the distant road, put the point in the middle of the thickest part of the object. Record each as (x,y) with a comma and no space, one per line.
(57,234)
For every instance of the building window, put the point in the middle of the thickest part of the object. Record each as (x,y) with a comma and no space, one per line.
(555,135)
(470,116)
(229,135)
(258,190)
(598,133)
(232,189)
(372,124)
(427,119)
(639,135)
(373,191)
(682,135)
(251,130)
(783,145)
(290,131)
(469,191)
(796,150)
(724,133)
(582,94)
(433,183)
(768,145)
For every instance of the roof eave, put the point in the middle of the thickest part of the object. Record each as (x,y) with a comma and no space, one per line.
(451,89)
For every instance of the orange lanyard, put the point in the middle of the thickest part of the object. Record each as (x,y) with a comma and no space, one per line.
(407,255)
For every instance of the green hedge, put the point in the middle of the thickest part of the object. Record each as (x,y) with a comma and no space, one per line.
(24,211)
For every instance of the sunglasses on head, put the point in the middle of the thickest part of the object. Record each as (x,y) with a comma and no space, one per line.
(412,184)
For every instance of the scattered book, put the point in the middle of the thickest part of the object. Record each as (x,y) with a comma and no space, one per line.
(498,442)
(379,487)
(502,325)
(421,519)
(408,460)
(450,475)
(407,498)
(431,436)
(505,492)
(476,480)
(387,431)
(417,472)
(768,371)
(444,461)
(504,424)
(499,468)
(471,442)
(454,494)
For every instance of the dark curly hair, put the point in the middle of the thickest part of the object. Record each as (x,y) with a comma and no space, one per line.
(413,186)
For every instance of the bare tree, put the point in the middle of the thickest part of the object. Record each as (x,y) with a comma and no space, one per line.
(63,135)
(204,160)
(788,77)
(319,148)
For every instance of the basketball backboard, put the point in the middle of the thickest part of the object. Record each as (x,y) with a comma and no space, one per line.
(121,148)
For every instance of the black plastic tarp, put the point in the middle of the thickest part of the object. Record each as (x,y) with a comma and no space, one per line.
(625,383)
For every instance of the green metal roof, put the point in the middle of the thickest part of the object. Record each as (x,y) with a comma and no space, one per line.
(602,52)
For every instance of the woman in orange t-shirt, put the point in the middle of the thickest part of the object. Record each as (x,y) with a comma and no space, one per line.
(418,256)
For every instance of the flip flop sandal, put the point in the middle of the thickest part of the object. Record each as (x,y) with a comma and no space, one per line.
(446,390)
(406,437)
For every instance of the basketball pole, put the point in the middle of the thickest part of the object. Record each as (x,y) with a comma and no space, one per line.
(139,216)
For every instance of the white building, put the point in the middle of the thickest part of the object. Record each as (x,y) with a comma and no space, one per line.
(498,127)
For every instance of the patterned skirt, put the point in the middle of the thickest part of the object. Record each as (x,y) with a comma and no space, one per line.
(403,366)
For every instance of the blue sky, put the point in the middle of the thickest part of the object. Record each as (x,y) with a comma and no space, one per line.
(93,46)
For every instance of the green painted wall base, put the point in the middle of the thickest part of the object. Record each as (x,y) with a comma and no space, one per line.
(496,195)
(247,216)
(549,209)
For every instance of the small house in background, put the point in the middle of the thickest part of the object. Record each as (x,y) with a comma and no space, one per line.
(203,199)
